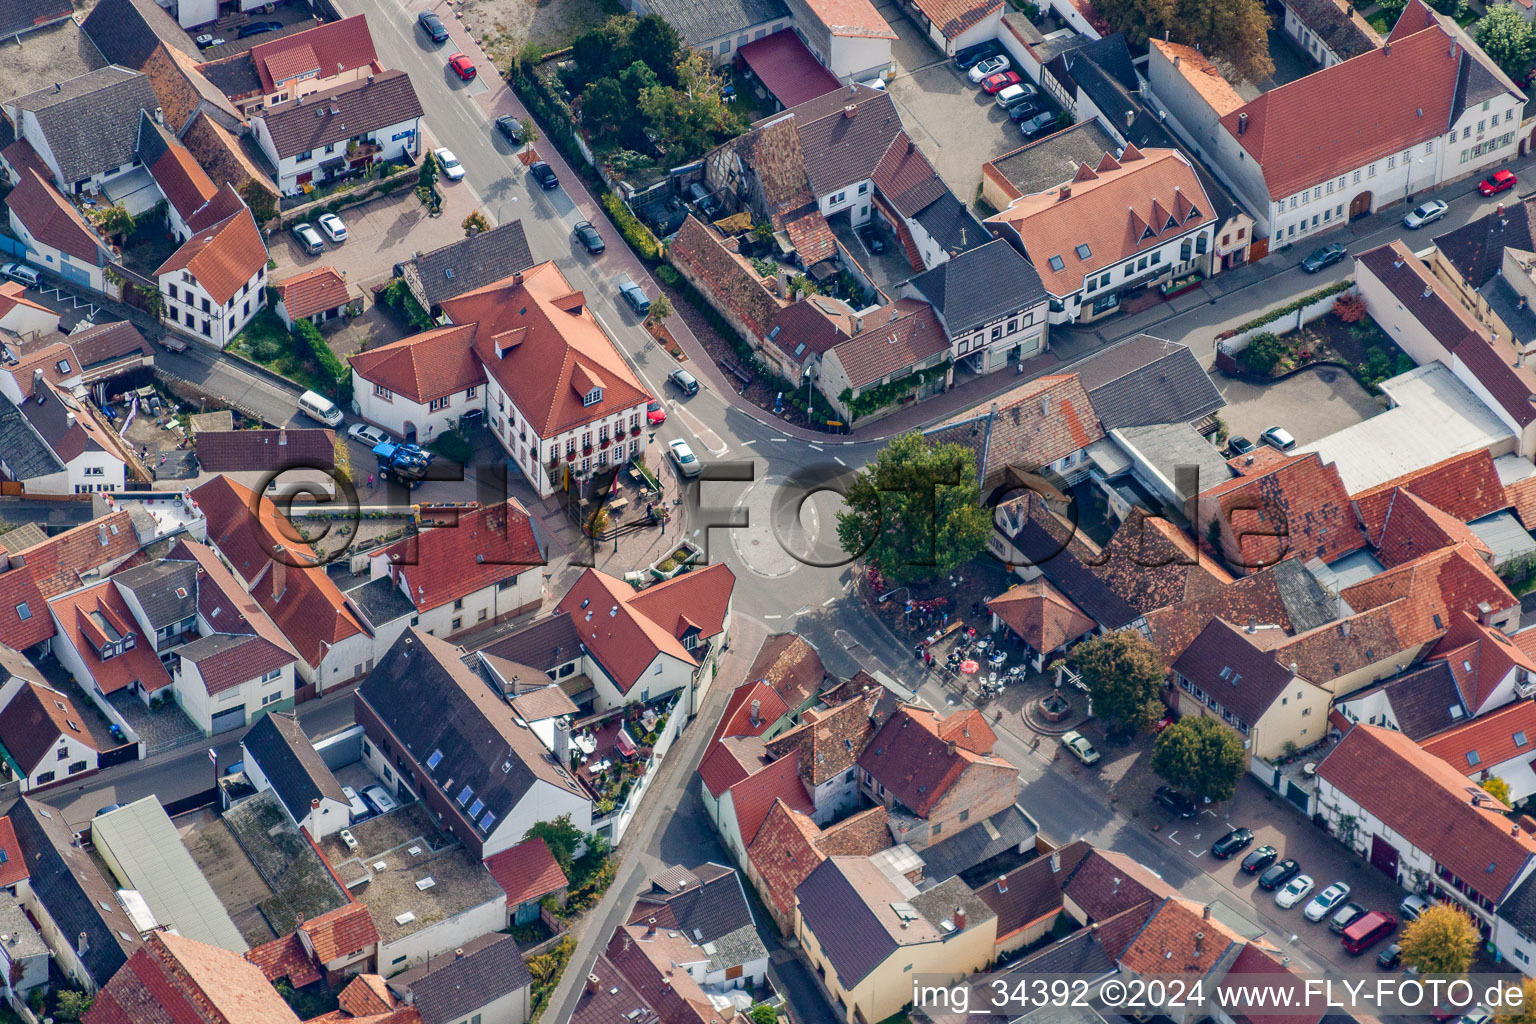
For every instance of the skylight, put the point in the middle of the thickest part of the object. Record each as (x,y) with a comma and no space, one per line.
(476,807)
(1520,739)
(1474,758)
(434,760)
(464,795)
(488,820)
(1057,263)
(1083,252)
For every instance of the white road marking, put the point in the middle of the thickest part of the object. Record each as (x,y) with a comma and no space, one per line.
(773,616)
(1172,840)
(828,601)
(751,442)
(839,460)
(1197,853)
(778,440)
(814,447)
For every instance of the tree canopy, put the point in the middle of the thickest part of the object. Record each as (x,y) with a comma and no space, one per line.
(1523,1012)
(1199,755)
(1508,39)
(1442,941)
(562,838)
(1237,31)
(915,511)
(1124,676)
(1496,788)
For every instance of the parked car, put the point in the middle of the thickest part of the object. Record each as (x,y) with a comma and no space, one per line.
(1293,892)
(589,237)
(378,799)
(1278,874)
(872,240)
(208,39)
(634,296)
(1040,124)
(1175,802)
(510,127)
(1081,749)
(1327,256)
(433,26)
(1498,181)
(1367,930)
(988,67)
(1278,437)
(448,163)
(994,84)
(355,803)
(1237,445)
(1260,859)
(685,381)
(1345,916)
(107,810)
(687,462)
(22,273)
(256,28)
(368,435)
(333,227)
(1425,213)
(1326,901)
(1412,906)
(655,415)
(544,174)
(1024,111)
(1016,94)
(970,56)
(461,65)
(1389,958)
(308,238)
(1232,842)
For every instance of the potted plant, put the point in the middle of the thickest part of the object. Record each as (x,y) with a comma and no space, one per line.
(634,431)
(570,456)
(605,442)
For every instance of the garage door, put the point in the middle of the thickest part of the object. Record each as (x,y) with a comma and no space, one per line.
(1384,856)
(224,721)
(74,275)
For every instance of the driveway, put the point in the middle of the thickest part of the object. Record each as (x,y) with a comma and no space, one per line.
(1310,405)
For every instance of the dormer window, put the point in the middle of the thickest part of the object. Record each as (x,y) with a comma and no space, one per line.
(592,397)
(1194,214)
(1147,233)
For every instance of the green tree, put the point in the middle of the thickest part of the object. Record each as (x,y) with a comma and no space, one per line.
(71,1005)
(1237,31)
(915,511)
(1508,39)
(656,42)
(1199,755)
(1496,788)
(1124,676)
(604,110)
(1442,941)
(475,223)
(427,176)
(562,838)
(661,308)
(762,1013)
(260,199)
(113,221)
(693,116)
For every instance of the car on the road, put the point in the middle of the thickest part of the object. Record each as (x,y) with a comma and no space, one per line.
(1293,892)
(107,810)
(994,84)
(355,804)
(1081,749)
(448,163)
(1390,958)
(22,274)
(380,801)
(1040,124)
(1425,213)
(1477,1016)
(1232,842)
(588,236)
(1260,859)
(544,174)
(634,296)
(1277,875)
(1327,256)
(433,26)
(1175,802)
(1325,901)
(333,227)
(1015,94)
(1279,438)
(1498,181)
(872,240)
(308,238)
(687,462)
(510,128)
(1345,916)
(257,28)
(655,415)
(686,382)
(1237,445)
(368,435)
(461,65)
(1412,906)
(972,55)
(988,67)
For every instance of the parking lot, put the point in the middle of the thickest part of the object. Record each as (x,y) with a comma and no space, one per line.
(1310,405)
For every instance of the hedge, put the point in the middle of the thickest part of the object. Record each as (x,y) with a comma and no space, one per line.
(327,360)
(635,233)
(1288,308)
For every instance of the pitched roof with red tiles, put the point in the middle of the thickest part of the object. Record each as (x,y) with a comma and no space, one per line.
(1464,486)
(1027,893)
(285,958)
(50,219)
(903,334)
(1439,587)
(172,979)
(464,551)
(366,994)
(540,341)
(339,933)
(221,257)
(1106,883)
(34,721)
(1035,424)
(954,17)
(751,709)
(14,867)
(96,616)
(1481,745)
(828,743)
(324,51)
(1042,615)
(312,291)
(811,236)
(527,871)
(626,631)
(791,666)
(1105,215)
(1284,982)
(1179,927)
(1296,507)
(753,797)
(852,18)
(186,185)
(1151,563)
(53,566)
(433,364)
(1429,803)
(1414,527)
(1481,659)
(1522,495)
(236,451)
(784,853)
(723,275)
(13,294)
(911,758)
(721,768)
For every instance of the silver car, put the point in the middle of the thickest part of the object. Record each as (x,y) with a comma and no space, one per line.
(687,463)
(1426,213)
(308,238)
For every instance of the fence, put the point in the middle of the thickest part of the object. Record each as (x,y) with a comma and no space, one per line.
(334,201)
(557,930)
(1293,317)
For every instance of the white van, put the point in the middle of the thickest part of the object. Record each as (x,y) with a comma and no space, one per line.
(319,407)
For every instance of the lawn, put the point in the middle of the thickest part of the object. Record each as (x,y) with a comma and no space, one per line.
(264,340)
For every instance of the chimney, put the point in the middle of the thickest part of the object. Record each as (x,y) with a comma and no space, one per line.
(1386,50)
(458,954)
(950,748)
(1349,10)
(593,984)
(1177,60)
(279,578)
(959,919)
(1199,941)
(851,110)
(1252,627)
(757,706)
(314,803)
(1130,117)
(282,435)
(1344,627)
(563,741)
(1066,192)
(1002,883)
(160,115)
(59,88)
(69,418)
(1242,123)
(37,384)
(1056,862)
(82,945)
(1045,405)
(1206,913)
(650,927)
(1514,830)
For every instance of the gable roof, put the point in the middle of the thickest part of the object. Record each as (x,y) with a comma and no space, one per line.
(1424,701)
(97,615)
(424,367)
(1439,587)
(24,15)
(470,263)
(1037,166)
(236,451)
(13,868)
(790,666)
(827,742)
(329,49)
(1151,563)
(127,31)
(34,720)
(1465,486)
(978,286)
(1290,506)
(186,185)
(954,17)
(846,902)
(851,18)
(450,988)
(50,219)
(704,21)
(1476,248)
(27,454)
(1146,380)
(290,763)
(1202,75)
(1034,890)
(1167,943)
(222,257)
(1240,675)
(91,122)
(1034,425)
(465,550)
(1106,883)
(312,291)
(844,134)
(527,871)
(901,335)
(912,758)
(365,105)
(1481,658)
(172,979)
(1481,745)
(52,566)
(753,797)
(1345,32)
(725,276)
(1040,614)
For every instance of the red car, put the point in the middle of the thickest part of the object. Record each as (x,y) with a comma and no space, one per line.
(462,66)
(1000,81)
(1497,182)
(655,414)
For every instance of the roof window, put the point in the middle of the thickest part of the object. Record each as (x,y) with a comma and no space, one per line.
(1474,758)
(1520,738)
(434,760)
(464,795)
(1057,263)
(1083,252)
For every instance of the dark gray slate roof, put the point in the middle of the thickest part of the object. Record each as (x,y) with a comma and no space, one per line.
(938,904)
(1337,29)
(1306,603)
(1476,249)
(699,21)
(838,149)
(381,601)
(471,263)
(851,936)
(234,76)
(980,285)
(977,844)
(715,906)
(289,761)
(76,894)
(453,987)
(92,122)
(543,644)
(1520,908)
(1244,678)
(951,224)
(166,590)
(21,448)
(1073,578)
(1505,301)
(1054,159)
(127,31)
(1095,67)
(17,16)
(1146,380)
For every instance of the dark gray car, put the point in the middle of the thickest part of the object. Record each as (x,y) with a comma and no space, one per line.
(510,127)
(589,237)
(634,295)
(1327,256)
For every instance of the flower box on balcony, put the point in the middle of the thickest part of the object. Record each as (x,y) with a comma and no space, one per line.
(634,431)
(570,456)
(604,443)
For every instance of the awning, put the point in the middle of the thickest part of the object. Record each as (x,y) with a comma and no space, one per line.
(333,164)
(788,70)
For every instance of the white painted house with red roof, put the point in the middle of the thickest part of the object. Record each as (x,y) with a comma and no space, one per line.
(216,281)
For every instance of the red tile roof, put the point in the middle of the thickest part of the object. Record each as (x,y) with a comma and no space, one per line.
(13,294)
(53,566)
(739,711)
(325,51)
(723,766)
(851,18)
(811,236)
(185,184)
(315,290)
(171,978)
(784,853)
(342,932)
(1414,527)
(1481,659)
(828,742)
(1486,742)
(526,872)
(1036,424)
(791,666)
(34,721)
(910,755)
(753,797)
(14,868)
(724,276)
(626,630)
(1284,982)
(366,994)
(1167,943)
(52,220)
(464,552)
(1042,615)
(952,17)
(903,334)
(77,615)
(221,257)
(1522,495)
(285,958)
(433,364)
(1430,805)
(1296,507)
(1465,486)
(1439,587)
(245,451)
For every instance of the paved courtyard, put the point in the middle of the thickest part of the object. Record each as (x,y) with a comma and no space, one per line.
(1310,405)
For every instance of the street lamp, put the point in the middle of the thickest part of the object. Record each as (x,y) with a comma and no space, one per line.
(810,375)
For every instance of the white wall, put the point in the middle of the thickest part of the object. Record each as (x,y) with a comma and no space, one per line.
(442,937)
(55,768)
(400,415)
(340,664)
(292,169)
(483,606)
(544,801)
(664,674)
(184,297)
(27,322)
(190,13)
(48,258)
(858,59)
(254,695)
(330,817)
(92,471)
